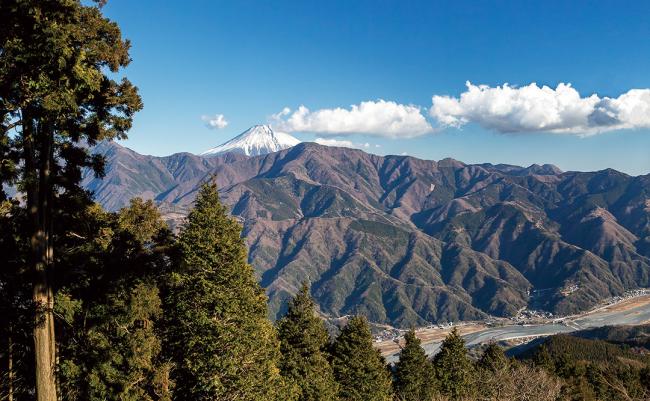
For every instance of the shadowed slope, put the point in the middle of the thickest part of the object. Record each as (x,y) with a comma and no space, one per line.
(408,241)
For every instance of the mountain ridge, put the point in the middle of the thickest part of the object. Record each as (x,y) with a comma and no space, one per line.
(410,241)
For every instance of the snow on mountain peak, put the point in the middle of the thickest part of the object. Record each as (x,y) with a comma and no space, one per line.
(257,140)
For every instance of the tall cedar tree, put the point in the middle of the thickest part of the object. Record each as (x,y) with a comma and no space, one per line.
(414,376)
(359,368)
(303,343)
(55,93)
(219,334)
(454,370)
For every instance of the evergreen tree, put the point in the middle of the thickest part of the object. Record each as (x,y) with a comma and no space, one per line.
(124,336)
(359,368)
(57,64)
(141,219)
(110,306)
(493,358)
(453,368)
(221,341)
(414,376)
(542,359)
(303,343)
(493,370)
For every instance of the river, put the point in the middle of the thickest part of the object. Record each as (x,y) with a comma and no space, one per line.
(612,315)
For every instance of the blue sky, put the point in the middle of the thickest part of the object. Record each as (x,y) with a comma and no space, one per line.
(249,60)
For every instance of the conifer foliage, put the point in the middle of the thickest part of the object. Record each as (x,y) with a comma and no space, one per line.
(358,367)
(414,376)
(224,345)
(141,314)
(303,343)
(58,61)
(493,369)
(454,370)
(493,358)
(109,307)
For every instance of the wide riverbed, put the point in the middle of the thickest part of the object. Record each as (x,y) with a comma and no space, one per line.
(629,312)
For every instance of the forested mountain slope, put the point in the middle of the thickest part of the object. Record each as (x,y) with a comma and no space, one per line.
(407,241)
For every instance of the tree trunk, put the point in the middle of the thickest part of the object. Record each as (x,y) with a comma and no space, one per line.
(10,364)
(38,190)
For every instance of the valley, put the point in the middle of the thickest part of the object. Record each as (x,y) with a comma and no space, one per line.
(404,241)
(324,201)
(631,310)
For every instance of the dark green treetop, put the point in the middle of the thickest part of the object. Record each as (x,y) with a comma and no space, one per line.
(414,375)
(303,344)
(493,358)
(358,367)
(220,336)
(141,219)
(453,368)
(542,358)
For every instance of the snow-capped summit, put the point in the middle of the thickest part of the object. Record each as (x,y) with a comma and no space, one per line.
(257,140)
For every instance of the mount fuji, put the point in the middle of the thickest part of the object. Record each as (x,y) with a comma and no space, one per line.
(255,141)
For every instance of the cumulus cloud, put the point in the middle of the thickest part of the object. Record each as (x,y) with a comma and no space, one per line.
(533,108)
(343,143)
(218,121)
(377,118)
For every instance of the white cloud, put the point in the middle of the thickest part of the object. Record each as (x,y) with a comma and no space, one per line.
(278,116)
(218,121)
(343,143)
(532,108)
(377,118)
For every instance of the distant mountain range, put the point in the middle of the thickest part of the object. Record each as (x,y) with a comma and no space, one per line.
(406,241)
